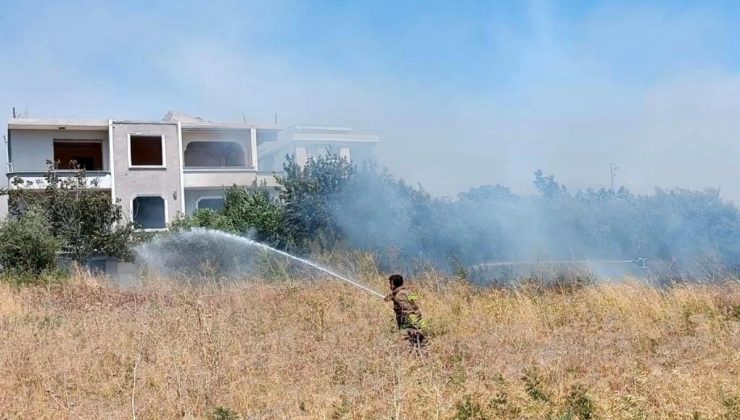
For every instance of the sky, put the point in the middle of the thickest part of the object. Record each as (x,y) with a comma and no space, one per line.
(463,93)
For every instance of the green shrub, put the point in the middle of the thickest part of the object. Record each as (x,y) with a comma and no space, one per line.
(26,244)
(205,218)
(83,219)
(224,413)
(534,384)
(253,211)
(308,194)
(468,409)
(579,403)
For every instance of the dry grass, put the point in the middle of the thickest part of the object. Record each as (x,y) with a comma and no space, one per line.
(86,349)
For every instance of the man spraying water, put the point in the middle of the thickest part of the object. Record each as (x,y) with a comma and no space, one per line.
(408,314)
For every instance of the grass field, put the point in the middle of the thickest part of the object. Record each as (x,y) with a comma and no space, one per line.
(321,349)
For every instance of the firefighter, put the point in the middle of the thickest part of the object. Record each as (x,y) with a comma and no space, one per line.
(408,314)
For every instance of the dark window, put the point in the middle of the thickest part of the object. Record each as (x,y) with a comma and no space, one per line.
(79,154)
(146,151)
(149,213)
(214,153)
(216,204)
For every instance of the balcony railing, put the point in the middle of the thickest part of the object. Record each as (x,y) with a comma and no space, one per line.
(37,179)
(223,176)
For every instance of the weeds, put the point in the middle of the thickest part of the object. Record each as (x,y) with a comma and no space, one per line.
(533,384)
(579,403)
(316,349)
(224,413)
(468,409)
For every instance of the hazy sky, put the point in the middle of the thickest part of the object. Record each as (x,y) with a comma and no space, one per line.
(463,92)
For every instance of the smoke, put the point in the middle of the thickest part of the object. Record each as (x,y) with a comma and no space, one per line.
(480,95)
(684,232)
(483,94)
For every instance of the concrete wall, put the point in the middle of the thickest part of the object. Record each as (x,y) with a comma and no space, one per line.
(192,196)
(30,149)
(225,178)
(241,137)
(132,182)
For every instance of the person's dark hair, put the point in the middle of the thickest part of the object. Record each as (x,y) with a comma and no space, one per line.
(396,280)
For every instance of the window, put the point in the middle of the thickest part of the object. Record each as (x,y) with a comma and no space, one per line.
(214,154)
(149,212)
(87,155)
(213,203)
(146,150)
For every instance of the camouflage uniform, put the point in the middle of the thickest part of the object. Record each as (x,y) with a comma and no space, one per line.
(408,314)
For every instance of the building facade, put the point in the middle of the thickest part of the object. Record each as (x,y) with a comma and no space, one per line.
(159,169)
(306,142)
(156,169)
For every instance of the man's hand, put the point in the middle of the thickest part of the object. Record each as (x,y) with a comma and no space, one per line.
(388,297)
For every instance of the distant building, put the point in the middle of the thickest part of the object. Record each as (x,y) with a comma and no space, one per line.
(156,168)
(310,141)
(177,165)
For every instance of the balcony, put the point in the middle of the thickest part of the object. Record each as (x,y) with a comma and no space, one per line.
(37,179)
(225,176)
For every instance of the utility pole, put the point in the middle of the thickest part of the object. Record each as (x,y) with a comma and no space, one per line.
(612,171)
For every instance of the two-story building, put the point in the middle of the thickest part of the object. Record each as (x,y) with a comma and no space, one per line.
(156,168)
(310,141)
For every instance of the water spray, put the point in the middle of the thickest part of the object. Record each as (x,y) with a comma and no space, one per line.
(307,262)
(181,248)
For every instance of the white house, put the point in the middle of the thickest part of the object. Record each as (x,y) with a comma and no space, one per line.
(156,168)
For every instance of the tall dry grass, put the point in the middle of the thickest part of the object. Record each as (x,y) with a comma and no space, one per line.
(88,349)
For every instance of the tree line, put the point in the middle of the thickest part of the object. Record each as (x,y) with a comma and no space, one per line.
(328,205)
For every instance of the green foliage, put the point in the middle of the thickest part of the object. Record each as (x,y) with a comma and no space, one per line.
(534,384)
(247,210)
(253,210)
(327,204)
(26,244)
(205,218)
(469,409)
(82,218)
(224,413)
(308,193)
(579,403)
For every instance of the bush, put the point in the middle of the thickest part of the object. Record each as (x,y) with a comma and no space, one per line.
(247,211)
(308,193)
(83,219)
(26,244)
(253,211)
(579,403)
(204,218)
